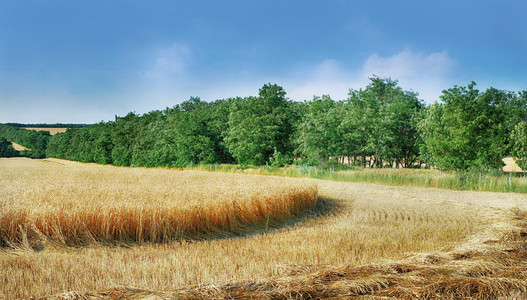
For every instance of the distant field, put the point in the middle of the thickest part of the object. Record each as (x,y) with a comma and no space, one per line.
(52,131)
(359,239)
(18,147)
(510,165)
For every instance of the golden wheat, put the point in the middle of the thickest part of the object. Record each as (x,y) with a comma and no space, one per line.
(18,147)
(78,204)
(51,130)
(342,250)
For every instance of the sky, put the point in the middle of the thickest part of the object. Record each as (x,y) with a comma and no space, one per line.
(75,61)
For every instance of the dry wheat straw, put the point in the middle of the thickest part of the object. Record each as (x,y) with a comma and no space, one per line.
(357,224)
(79,204)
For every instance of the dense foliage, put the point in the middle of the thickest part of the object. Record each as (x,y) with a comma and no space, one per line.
(472,129)
(37,141)
(6,149)
(519,144)
(375,126)
(381,125)
(40,125)
(189,133)
(260,127)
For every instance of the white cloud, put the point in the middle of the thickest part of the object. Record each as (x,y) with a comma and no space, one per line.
(427,74)
(408,64)
(328,68)
(325,78)
(170,61)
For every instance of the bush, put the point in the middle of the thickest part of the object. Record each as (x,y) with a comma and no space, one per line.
(279,159)
(6,149)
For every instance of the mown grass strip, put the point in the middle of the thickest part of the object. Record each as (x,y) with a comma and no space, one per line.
(474,180)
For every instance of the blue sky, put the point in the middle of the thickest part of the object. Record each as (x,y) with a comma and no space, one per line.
(87,61)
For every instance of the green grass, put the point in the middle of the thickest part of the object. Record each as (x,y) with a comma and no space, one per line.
(475,180)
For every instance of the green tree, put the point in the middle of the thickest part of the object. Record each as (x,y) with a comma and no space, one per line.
(380,122)
(102,145)
(6,149)
(194,143)
(56,146)
(147,148)
(516,112)
(124,133)
(218,127)
(519,144)
(404,113)
(35,140)
(467,130)
(318,136)
(259,127)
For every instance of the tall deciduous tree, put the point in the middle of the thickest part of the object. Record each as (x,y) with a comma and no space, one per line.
(380,122)
(259,127)
(469,129)
(519,144)
(318,136)
(193,137)
(6,149)
(125,130)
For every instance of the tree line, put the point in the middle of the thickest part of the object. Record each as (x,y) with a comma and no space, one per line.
(41,125)
(6,149)
(37,141)
(376,126)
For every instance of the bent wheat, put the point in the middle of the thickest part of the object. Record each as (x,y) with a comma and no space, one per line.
(77,204)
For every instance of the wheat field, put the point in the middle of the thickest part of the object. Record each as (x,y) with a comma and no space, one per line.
(18,147)
(51,130)
(355,240)
(74,204)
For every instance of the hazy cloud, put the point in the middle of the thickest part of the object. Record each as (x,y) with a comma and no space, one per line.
(427,74)
(170,61)
(408,64)
(328,77)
